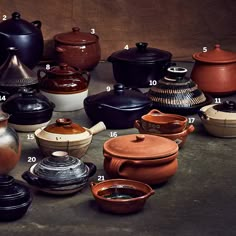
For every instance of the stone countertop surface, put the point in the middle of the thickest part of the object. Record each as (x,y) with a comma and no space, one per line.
(199,200)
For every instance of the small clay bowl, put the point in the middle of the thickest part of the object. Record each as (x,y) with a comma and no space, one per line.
(180,137)
(121,196)
(163,123)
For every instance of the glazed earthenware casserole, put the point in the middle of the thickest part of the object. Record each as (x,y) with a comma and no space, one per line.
(25,36)
(121,196)
(220,119)
(14,75)
(118,108)
(65,86)
(214,71)
(176,93)
(147,158)
(59,174)
(29,110)
(139,66)
(15,198)
(65,135)
(79,49)
(10,146)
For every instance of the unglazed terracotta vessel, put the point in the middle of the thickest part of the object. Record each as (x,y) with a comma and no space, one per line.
(121,196)
(64,135)
(65,86)
(215,71)
(10,147)
(146,158)
(179,137)
(220,119)
(79,49)
(158,122)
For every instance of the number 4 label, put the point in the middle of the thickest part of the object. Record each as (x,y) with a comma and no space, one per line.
(126,47)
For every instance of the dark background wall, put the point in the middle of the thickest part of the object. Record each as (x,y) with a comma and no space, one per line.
(179,26)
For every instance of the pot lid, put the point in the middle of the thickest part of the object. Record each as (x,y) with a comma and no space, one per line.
(216,55)
(14,73)
(17,26)
(120,97)
(64,126)
(76,37)
(60,167)
(12,193)
(26,100)
(139,146)
(140,54)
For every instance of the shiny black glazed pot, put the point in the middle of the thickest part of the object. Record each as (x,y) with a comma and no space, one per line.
(139,67)
(15,198)
(25,36)
(118,108)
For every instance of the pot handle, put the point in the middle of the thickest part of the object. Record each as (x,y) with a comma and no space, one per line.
(203,115)
(60,49)
(99,127)
(190,129)
(137,124)
(39,74)
(86,73)
(31,179)
(92,184)
(37,24)
(155,112)
(92,168)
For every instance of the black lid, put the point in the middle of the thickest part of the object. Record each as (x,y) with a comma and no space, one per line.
(141,54)
(120,97)
(17,26)
(227,106)
(12,193)
(26,100)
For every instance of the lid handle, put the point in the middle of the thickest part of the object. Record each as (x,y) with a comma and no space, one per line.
(140,137)
(25,91)
(76,29)
(217,46)
(230,105)
(119,88)
(15,15)
(141,46)
(63,121)
(63,66)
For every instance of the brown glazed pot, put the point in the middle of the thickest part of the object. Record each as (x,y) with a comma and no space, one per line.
(10,147)
(146,158)
(79,49)
(215,71)
(180,137)
(158,122)
(121,196)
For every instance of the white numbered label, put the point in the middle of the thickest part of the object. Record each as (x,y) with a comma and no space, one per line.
(217,100)
(30,136)
(32,159)
(204,49)
(113,134)
(126,47)
(4,17)
(92,31)
(191,120)
(48,67)
(2,98)
(152,82)
(108,88)
(101,178)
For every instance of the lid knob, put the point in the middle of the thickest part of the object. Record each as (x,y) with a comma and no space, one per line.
(141,46)
(59,155)
(63,121)
(16,15)
(119,88)
(230,105)
(140,137)
(176,73)
(26,91)
(75,29)
(63,66)
(217,46)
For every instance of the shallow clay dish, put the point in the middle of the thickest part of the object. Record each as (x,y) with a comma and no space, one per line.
(121,196)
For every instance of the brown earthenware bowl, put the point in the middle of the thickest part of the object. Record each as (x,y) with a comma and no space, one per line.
(158,122)
(121,196)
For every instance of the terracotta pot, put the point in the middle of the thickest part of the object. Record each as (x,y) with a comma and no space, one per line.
(79,49)
(63,85)
(135,157)
(220,119)
(64,135)
(158,122)
(178,94)
(25,36)
(15,198)
(138,67)
(214,71)
(10,147)
(121,196)
(180,137)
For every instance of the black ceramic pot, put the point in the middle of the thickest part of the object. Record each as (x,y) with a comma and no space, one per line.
(29,110)
(15,198)
(141,66)
(118,108)
(25,36)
